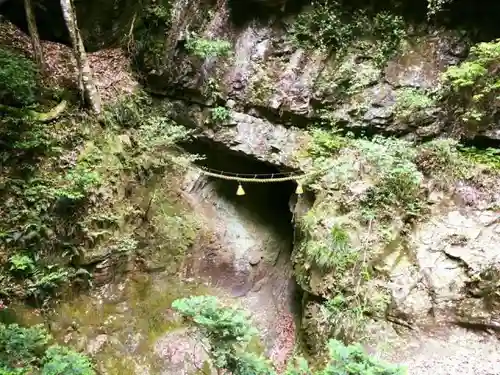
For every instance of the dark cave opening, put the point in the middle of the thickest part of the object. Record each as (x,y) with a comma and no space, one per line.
(268,203)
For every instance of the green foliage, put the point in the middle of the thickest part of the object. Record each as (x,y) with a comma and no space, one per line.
(397,182)
(157,13)
(411,104)
(220,114)
(346,360)
(228,331)
(147,42)
(78,182)
(330,25)
(60,360)
(324,26)
(353,360)
(471,89)
(25,350)
(346,314)
(326,143)
(335,254)
(45,280)
(155,137)
(489,157)
(436,6)
(18,78)
(21,263)
(342,81)
(63,192)
(368,183)
(128,112)
(21,346)
(206,48)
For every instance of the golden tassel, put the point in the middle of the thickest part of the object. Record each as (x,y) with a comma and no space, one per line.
(240,190)
(299,189)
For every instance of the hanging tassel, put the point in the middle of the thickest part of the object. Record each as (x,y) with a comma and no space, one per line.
(299,189)
(240,190)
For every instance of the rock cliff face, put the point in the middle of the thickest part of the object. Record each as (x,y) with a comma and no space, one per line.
(437,267)
(268,76)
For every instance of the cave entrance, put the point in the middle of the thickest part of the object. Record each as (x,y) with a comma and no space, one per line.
(249,255)
(269,202)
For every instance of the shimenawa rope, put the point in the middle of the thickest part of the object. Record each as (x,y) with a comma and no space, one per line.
(255,179)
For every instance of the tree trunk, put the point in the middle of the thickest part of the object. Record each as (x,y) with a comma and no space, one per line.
(85,76)
(35,38)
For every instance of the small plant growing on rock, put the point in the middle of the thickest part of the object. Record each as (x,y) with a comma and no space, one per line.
(206,48)
(471,89)
(326,143)
(397,183)
(411,104)
(220,114)
(337,254)
(441,160)
(489,157)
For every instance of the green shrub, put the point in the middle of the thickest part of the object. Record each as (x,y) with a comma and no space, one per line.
(323,26)
(18,79)
(21,346)
(21,263)
(397,183)
(228,331)
(471,89)
(220,114)
(24,350)
(334,255)
(60,360)
(326,143)
(489,157)
(345,360)
(78,182)
(128,112)
(353,360)
(441,160)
